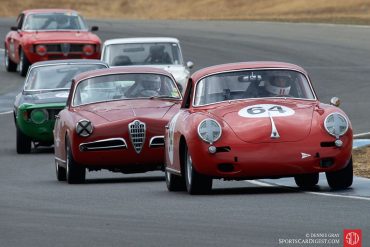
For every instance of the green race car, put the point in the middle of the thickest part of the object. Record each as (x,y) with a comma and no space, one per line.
(45,93)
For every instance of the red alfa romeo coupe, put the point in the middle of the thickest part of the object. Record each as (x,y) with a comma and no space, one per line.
(256,120)
(46,34)
(115,119)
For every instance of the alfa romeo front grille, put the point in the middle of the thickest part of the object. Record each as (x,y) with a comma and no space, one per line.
(137,134)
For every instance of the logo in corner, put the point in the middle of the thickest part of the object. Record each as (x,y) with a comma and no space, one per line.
(352,237)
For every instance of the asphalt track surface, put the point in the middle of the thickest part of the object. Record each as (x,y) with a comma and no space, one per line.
(136,210)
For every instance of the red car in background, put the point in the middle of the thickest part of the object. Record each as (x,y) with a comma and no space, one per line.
(115,119)
(46,34)
(256,120)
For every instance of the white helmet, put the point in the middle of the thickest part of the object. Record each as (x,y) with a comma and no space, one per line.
(278,85)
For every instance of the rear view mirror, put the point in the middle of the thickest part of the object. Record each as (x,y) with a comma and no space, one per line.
(335,101)
(189,64)
(94,28)
(14,28)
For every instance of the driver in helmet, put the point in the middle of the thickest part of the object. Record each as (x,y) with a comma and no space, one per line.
(278,85)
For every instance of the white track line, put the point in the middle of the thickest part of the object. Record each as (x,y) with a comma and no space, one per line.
(7,112)
(259,183)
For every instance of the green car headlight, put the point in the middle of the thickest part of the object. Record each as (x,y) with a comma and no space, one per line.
(336,124)
(39,116)
(209,130)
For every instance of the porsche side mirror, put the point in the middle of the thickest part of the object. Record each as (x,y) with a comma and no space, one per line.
(14,28)
(189,64)
(94,28)
(335,101)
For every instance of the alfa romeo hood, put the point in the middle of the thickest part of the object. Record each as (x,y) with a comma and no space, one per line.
(62,36)
(127,109)
(268,121)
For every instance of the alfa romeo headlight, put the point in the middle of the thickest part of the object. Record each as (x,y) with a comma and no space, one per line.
(84,128)
(209,130)
(39,116)
(336,124)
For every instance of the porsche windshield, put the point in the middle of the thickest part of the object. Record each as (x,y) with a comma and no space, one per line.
(54,21)
(142,54)
(58,76)
(252,84)
(125,86)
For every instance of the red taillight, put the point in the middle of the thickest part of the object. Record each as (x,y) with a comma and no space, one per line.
(88,50)
(41,50)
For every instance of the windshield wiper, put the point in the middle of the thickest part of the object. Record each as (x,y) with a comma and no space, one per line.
(163,97)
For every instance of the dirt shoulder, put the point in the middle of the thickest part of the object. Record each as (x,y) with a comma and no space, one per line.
(361,162)
(351,12)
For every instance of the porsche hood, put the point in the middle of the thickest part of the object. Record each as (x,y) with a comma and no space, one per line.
(126,110)
(268,121)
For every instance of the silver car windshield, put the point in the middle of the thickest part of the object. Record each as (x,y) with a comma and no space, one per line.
(58,76)
(142,54)
(54,21)
(252,84)
(125,86)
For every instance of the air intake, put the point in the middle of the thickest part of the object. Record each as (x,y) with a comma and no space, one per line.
(137,134)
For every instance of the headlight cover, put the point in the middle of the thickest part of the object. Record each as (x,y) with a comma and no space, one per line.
(39,116)
(209,130)
(336,124)
(84,128)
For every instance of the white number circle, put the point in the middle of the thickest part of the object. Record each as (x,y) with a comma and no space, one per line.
(265,110)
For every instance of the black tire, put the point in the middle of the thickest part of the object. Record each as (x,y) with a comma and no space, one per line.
(174,182)
(9,64)
(195,183)
(341,179)
(23,142)
(75,174)
(307,181)
(23,64)
(60,172)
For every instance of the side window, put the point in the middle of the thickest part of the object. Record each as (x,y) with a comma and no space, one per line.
(20,20)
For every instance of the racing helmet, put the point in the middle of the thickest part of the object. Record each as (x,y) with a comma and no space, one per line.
(279,84)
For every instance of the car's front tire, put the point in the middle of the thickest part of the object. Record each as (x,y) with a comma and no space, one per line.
(174,182)
(75,174)
(341,179)
(9,64)
(60,172)
(307,181)
(23,63)
(23,142)
(195,183)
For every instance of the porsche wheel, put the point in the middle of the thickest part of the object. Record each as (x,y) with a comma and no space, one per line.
(23,64)
(174,182)
(23,142)
(74,174)
(9,64)
(341,179)
(307,181)
(60,172)
(195,183)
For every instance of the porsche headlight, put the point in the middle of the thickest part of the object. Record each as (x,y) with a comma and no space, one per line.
(209,130)
(39,116)
(84,128)
(336,124)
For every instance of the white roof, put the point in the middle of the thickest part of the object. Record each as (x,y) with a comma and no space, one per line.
(141,40)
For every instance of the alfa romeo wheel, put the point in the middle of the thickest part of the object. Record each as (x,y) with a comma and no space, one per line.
(23,64)
(341,179)
(195,183)
(23,142)
(9,64)
(75,174)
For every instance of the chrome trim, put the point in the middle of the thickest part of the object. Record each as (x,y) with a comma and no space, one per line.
(124,145)
(137,131)
(156,145)
(236,70)
(171,170)
(60,160)
(274,132)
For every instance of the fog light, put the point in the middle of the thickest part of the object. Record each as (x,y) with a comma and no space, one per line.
(338,143)
(212,149)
